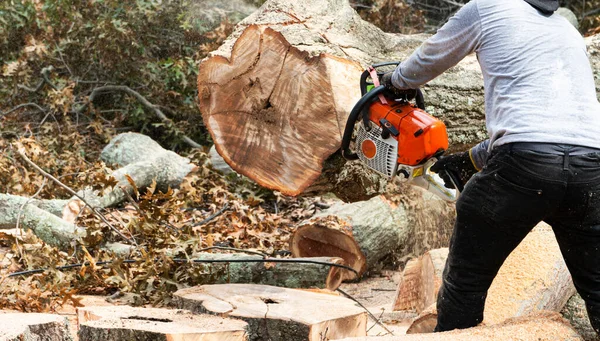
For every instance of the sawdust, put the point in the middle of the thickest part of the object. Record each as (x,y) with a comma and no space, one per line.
(529,278)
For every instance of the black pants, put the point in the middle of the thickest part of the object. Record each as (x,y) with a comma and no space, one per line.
(500,205)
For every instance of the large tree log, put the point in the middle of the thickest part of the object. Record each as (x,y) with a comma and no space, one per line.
(276,95)
(129,323)
(547,326)
(534,277)
(278,314)
(31,326)
(289,275)
(363,233)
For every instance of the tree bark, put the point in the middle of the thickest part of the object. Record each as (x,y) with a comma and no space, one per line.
(534,277)
(32,326)
(289,275)
(278,314)
(129,323)
(547,326)
(48,227)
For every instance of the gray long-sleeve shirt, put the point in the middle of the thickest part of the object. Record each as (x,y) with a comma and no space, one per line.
(539,85)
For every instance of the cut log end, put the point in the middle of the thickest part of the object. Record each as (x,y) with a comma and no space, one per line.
(20,326)
(314,240)
(288,314)
(129,323)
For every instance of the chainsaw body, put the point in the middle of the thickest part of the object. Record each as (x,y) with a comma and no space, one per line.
(397,138)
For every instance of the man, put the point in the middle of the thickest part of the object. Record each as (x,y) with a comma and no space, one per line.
(542,161)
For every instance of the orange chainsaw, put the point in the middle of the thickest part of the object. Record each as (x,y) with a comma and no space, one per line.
(396,138)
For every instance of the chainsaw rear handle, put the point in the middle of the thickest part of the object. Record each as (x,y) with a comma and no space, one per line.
(455,180)
(354,115)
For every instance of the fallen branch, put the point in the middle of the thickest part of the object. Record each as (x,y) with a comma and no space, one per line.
(20,151)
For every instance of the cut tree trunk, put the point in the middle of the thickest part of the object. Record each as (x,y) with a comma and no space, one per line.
(420,282)
(32,326)
(547,326)
(289,275)
(363,233)
(276,95)
(278,314)
(534,277)
(129,323)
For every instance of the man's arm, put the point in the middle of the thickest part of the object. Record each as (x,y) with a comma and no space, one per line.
(459,37)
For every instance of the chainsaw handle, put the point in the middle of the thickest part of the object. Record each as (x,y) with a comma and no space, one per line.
(353,117)
(455,180)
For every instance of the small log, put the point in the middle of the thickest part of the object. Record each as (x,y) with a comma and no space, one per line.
(534,277)
(420,282)
(361,233)
(45,225)
(32,326)
(278,314)
(129,323)
(289,275)
(547,326)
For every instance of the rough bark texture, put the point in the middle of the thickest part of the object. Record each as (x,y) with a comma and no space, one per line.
(534,277)
(289,275)
(547,326)
(47,226)
(420,282)
(278,314)
(20,327)
(129,323)
(361,233)
(575,312)
(145,161)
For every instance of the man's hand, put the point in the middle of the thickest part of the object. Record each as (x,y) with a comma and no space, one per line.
(459,164)
(386,80)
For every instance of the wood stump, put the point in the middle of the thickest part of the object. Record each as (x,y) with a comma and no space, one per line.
(534,277)
(32,326)
(278,314)
(546,326)
(129,323)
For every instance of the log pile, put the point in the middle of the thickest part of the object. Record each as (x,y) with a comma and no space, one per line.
(278,314)
(129,323)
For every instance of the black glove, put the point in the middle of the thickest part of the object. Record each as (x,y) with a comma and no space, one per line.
(459,164)
(386,80)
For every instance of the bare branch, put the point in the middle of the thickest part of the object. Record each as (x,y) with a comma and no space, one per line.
(142,100)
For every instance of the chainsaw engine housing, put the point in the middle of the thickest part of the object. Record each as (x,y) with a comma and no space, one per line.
(399,133)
